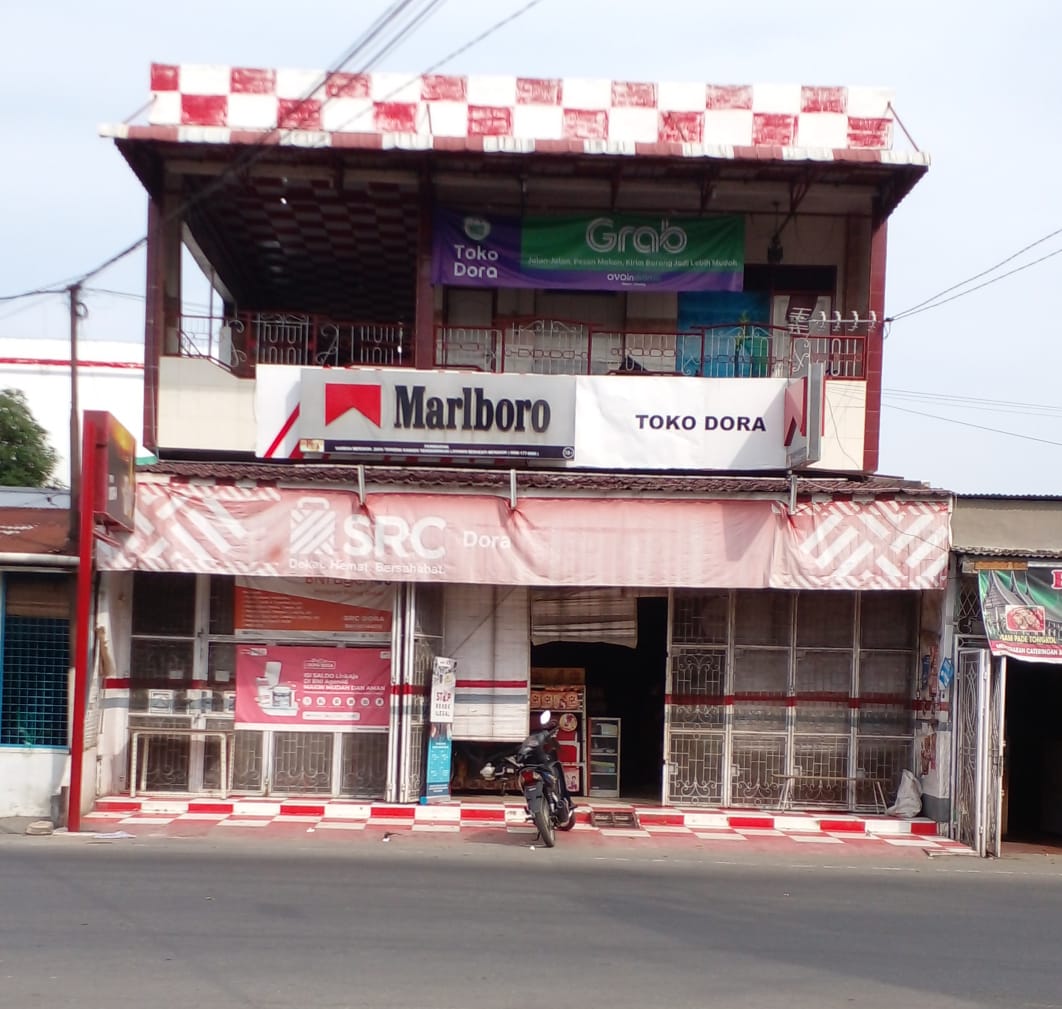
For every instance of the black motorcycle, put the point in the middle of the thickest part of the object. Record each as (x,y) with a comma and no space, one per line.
(541,778)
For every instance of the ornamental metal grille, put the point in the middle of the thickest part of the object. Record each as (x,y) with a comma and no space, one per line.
(969,619)
(364,767)
(247,761)
(695,762)
(697,674)
(757,764)
(302,762)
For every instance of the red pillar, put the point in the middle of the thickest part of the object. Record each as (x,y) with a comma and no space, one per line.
(874,348)
(82,618)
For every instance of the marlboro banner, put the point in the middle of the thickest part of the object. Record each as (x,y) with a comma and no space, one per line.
(1022,611)
(480,539)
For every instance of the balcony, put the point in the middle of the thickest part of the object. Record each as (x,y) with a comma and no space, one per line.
(738,350)
(537,346)
(240,342)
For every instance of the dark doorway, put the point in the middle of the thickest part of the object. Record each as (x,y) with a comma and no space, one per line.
(625,683)
(1032,778)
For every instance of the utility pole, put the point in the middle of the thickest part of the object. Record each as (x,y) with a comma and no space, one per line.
(76,308)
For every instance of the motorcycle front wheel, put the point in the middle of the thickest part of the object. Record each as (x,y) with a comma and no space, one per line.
(540,814)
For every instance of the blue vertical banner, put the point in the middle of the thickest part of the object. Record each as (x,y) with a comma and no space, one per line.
(441,717)
(724,334)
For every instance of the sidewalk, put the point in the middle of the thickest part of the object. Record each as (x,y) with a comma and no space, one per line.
(604,820)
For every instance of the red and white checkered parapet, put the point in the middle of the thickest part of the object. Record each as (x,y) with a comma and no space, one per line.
(220,104)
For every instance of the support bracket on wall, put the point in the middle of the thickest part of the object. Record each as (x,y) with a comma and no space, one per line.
(512,490)
(361,484)
(791,505)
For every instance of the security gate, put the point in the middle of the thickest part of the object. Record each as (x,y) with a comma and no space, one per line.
(417,641)
(779,697)
(980,690)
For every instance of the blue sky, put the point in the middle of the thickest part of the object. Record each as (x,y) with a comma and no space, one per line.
(976,85)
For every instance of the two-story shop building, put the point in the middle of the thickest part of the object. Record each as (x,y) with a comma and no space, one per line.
(577,382)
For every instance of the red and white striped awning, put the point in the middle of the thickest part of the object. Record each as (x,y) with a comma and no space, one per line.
(480,539)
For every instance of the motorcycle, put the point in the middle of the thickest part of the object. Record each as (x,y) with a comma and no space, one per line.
(541,777)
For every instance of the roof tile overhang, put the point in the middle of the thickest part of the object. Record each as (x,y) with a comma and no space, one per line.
(43,531)
(891,174)
(550,482)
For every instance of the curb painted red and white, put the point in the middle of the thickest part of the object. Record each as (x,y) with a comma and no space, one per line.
(707,825)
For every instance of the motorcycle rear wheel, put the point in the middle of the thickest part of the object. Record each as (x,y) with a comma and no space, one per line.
(540,814)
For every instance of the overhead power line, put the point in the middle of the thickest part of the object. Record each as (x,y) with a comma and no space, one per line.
(978,427)
(974,402)
(416,18)
(940,299)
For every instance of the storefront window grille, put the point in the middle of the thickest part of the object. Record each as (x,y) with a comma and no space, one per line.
(247,762)
(888,620)
(33,681)
(164,604)
(825,619)
(886,674)
(757,764)
(221,664)
(763,618)
(885,760)
(364,771)
(700,618)
(823,688)
(698,686)
(302,762)
(761,677)
(695,762)
(820,761)
(222,605)
(820,685)
(969,619)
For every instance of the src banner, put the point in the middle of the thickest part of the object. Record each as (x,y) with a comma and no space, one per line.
(1022,611)
(481,539)
(610,252)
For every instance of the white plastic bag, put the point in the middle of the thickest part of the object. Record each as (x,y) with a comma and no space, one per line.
(908,798)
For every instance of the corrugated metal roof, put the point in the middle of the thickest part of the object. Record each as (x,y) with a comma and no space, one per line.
(428,478)
(971,553)
(1009,497)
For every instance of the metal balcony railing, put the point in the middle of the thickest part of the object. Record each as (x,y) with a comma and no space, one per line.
(737,350)
(241,341)
(538,346)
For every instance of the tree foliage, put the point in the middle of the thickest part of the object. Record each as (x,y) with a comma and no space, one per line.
(27,458)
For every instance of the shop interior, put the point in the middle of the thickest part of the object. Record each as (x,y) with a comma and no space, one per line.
(608,700)
(626,684)
(1032,775)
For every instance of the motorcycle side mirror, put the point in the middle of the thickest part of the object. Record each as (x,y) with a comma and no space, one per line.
(544,718)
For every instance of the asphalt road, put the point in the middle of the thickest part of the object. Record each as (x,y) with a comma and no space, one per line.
(429,922)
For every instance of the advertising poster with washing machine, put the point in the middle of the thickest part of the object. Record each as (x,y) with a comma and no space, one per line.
(312,688)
